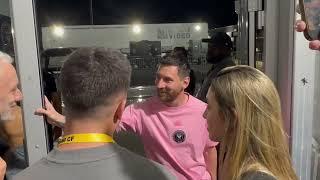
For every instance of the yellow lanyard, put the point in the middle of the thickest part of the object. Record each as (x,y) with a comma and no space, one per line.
(85,138)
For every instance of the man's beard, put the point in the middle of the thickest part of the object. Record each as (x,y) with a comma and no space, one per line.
(7,114)
(168,95)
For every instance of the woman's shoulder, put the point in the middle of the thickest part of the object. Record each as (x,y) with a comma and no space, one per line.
(257,175)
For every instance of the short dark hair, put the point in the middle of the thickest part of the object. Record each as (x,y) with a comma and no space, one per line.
(176,60)
(90,77)
(181,51)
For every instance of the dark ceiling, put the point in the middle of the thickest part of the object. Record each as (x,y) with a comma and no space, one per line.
(77,12)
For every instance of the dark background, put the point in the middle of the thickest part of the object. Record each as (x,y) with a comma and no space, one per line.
(216,13)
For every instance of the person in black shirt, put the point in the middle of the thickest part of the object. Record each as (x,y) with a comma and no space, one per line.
(219,55)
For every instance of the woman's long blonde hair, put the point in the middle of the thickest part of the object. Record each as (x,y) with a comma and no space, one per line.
(255,139)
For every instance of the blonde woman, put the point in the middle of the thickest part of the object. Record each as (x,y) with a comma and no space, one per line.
(244,115)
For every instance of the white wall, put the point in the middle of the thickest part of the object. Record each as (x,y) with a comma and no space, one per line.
(316,118)
(306,106)
(118,36)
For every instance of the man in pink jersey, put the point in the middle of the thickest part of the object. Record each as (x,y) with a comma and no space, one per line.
(170,125)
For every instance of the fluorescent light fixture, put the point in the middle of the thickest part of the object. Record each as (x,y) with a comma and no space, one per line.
(197,27)
(136,29)
(58,30)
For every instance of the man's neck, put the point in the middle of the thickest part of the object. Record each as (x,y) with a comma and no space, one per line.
(220,60)
(84,127)
(181,99)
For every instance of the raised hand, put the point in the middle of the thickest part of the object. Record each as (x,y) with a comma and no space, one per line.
(53,117)
(300,27)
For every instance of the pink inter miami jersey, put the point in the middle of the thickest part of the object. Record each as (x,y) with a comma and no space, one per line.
(176,137)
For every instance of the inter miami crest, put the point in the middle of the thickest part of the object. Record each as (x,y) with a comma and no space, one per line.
(179,136)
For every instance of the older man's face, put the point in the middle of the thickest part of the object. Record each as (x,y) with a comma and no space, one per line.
(9,92)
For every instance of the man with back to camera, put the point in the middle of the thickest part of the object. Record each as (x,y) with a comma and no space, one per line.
(94,83)
(170,125)
(219,55)
(9,96)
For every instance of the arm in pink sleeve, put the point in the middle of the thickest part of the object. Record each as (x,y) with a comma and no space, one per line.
(130,120)
(211,157)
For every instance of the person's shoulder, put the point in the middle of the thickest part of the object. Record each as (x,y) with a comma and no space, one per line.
(197,102)
(228,61)
(30,171)
(257,175)
(148,167)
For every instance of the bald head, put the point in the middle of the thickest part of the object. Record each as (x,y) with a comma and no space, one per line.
(6,70)
(4,57)
(5,61)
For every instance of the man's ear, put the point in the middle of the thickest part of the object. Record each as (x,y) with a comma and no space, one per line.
(120,110)
(186,82)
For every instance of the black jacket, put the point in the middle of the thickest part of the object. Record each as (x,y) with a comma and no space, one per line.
(216,68)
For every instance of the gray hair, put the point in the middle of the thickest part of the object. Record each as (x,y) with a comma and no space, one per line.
(4,57)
